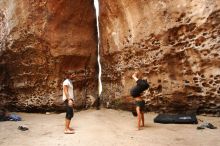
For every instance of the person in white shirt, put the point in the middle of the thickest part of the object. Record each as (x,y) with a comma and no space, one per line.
(68,98)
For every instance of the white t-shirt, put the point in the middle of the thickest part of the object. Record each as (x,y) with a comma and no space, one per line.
(70,89)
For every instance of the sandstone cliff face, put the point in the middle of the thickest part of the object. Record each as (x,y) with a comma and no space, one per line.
(41,41)
(175,43)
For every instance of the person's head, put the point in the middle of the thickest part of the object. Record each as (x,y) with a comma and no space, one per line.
(70,75)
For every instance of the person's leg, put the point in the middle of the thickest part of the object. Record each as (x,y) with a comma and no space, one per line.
(142,118)
(142,105)
(138,116)
(67,124)
(69,115)
(67,129)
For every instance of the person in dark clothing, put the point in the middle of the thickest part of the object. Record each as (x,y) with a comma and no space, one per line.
(136,92)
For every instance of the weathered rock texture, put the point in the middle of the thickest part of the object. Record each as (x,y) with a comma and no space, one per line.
(176,43)
(40,42)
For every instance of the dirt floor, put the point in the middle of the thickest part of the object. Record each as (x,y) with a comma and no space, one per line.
(105,128)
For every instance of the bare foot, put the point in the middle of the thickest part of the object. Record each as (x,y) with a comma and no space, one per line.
(71,129)
(68,132)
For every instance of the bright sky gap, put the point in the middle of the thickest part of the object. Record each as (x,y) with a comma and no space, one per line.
(96,4)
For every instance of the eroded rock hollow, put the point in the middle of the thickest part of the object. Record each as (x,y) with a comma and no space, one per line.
(175,43)
(41,42)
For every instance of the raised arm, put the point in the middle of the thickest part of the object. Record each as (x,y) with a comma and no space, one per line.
(134,76)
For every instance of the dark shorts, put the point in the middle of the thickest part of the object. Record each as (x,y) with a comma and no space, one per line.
(69,110)
(140,104)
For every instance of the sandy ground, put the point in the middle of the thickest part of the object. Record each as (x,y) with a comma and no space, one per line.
(105,128)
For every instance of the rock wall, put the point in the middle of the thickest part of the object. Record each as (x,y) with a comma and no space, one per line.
(175,43)
(40,42)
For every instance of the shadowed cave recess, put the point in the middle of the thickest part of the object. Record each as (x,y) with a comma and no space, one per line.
(176,44)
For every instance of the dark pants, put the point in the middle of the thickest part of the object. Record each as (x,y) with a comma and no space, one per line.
(69,110)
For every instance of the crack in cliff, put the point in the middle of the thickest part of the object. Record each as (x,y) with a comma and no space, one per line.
(96,4)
